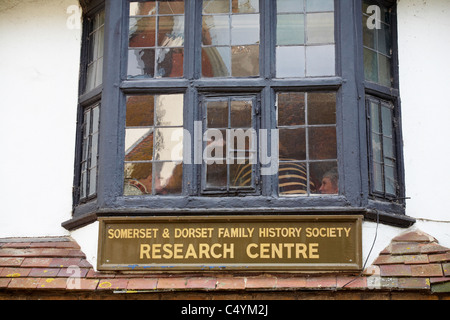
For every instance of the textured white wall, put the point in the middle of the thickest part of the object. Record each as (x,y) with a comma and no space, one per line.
(39,65)
(424,46)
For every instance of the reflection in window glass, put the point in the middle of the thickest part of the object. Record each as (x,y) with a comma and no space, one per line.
(156,39)
(94,76)
(377,44)
(307,143)
(230,38)
(305,39)
(154,145)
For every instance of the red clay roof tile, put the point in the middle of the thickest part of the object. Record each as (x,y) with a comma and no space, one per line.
(413,261)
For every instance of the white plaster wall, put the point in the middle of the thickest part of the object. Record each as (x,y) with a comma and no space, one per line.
(39,65)
(424,53)
(424,47)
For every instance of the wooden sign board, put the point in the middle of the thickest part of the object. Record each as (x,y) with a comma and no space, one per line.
(254,243)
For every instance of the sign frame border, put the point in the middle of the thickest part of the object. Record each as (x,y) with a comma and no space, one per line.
(266,267)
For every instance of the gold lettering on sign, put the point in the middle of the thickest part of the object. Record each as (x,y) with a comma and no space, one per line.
(182,251)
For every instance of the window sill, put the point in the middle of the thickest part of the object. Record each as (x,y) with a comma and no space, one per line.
(215,207)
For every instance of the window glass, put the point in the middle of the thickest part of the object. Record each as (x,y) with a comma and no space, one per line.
(156,39)
(89,160)
(96,38)
(230,144)
(383,160)
(154,145)
(377,41)
(305,45)
(308,143)
(230,38)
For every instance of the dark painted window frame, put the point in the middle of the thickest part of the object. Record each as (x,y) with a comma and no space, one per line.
(349,84)
(86,100)
(393,205)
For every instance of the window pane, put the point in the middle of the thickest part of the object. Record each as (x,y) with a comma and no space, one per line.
(168,178)
(169,110)
(216,176)
(241,114)
(319,5)
(383,149)
(99,72)
(142,8)
(216,6)
(375,117)
(325,177)
(321,108)
(92,182)
(386,115)
(89,150)
(170,63)
(138,179)
(171,7)
(285,66)
(216,30)
(217,114)
(369,37)
(308,143)
(376,148)
(216,62)
(310,37)
(320,28)
(378,173)
(320,61)
(245,29)
(322,143)
(87,131)
(156,40)
(230,144)
(291,109)
(384,39)
(390,183)
(95,119)
(142,32)
(83,184)
(290,29)
(96,38)
(290,6)
(153,143)
(241,175)
(139,144)
(384,64)
(141,63)
(388,148)
(377,39)
(245,61)
(245,6)
(140,111)
(216,145)
(370,65)
(90,77)
(235,35)
(292,144)
(292,179)
(168,147)
(171,31)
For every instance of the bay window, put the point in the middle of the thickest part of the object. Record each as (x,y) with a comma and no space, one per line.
(245,106)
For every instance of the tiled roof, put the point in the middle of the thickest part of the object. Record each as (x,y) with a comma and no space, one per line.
(413,261)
